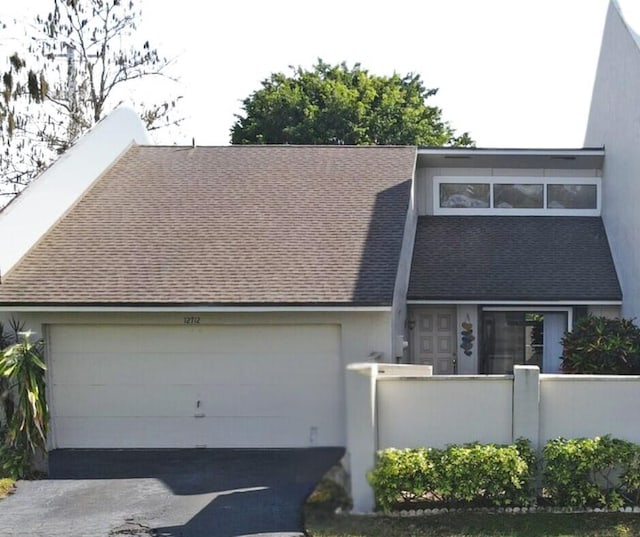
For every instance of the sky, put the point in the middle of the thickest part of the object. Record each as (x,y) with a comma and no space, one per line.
(512,73)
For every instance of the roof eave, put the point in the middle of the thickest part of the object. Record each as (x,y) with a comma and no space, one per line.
(584,158)
(192,307)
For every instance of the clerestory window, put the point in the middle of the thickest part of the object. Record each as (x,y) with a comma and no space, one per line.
(517,196)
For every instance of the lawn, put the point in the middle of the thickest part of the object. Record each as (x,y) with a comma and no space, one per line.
(322,524)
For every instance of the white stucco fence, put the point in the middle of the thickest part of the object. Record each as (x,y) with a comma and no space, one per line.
(388,406)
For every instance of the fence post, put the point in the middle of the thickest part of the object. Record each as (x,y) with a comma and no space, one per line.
(362,437)
(526,404)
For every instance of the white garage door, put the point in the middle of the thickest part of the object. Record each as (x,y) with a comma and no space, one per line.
(196,386)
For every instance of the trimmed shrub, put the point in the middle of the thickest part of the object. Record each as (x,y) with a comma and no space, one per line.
(598,345)
(485,474)
(471,474)
(403,475)
(591,472)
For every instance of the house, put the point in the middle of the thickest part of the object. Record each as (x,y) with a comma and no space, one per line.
(196,296)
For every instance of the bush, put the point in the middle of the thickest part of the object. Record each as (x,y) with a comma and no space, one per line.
(487,474)
(598,345)
(471,474)
(403,475)
(591,472)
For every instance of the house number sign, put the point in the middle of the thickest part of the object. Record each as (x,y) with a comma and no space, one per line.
(192,320)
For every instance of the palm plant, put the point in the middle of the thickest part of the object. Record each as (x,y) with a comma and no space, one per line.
(22,367)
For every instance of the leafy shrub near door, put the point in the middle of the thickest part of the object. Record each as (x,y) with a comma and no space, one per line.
(598,345)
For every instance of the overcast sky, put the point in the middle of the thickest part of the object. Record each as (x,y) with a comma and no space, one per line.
(514,73)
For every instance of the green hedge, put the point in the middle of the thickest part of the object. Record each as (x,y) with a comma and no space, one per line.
(591,472)
(458,475)
(598,472)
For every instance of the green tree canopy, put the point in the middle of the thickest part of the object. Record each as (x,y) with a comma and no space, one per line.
(335,104)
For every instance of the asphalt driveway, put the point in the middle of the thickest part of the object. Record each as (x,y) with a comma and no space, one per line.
(167,493)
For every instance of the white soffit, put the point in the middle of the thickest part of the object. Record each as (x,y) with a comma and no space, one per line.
(575,159)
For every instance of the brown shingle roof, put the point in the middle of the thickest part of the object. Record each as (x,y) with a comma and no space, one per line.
(228,225)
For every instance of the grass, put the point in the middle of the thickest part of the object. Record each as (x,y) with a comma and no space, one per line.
(7,486)
(324,524)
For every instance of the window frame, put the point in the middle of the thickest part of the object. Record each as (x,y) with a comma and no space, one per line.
(493,180)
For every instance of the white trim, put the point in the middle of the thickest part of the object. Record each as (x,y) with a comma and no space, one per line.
(498,152)
(51,435)
(533,309)
(519,302)
(204,309)
(492,180)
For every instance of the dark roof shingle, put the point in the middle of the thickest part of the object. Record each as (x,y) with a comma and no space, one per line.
(512,258)
(228,225)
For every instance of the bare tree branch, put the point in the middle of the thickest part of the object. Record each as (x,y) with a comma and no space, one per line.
(76,69)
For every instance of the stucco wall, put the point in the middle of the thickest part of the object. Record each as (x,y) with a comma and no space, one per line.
(614,122)
(611,312)
(575,406)
(436,411)
(420,411)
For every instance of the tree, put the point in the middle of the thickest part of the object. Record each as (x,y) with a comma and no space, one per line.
(80,60)
(335,104)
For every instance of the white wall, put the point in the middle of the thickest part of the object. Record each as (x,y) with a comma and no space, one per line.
(422,411)
(575,406)
(614,121)
(436,411)
(611,312)
(29,216)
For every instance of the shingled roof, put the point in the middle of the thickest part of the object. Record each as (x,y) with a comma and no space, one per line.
(493,258)
(242,225)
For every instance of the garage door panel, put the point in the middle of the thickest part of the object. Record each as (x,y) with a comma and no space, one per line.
(215,400)
(189,339)
(123,401)
(129,433)
(138,386)
(185,368)
(121,432)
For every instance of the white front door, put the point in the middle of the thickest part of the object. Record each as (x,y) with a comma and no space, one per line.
(434,339)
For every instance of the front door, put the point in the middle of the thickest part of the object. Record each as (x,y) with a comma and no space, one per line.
(433,339)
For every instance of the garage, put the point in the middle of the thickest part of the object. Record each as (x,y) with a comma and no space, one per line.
(175,386)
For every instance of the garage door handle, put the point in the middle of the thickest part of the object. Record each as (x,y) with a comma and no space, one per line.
(199,415)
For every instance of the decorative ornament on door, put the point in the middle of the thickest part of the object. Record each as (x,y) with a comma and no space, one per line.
(467,337)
